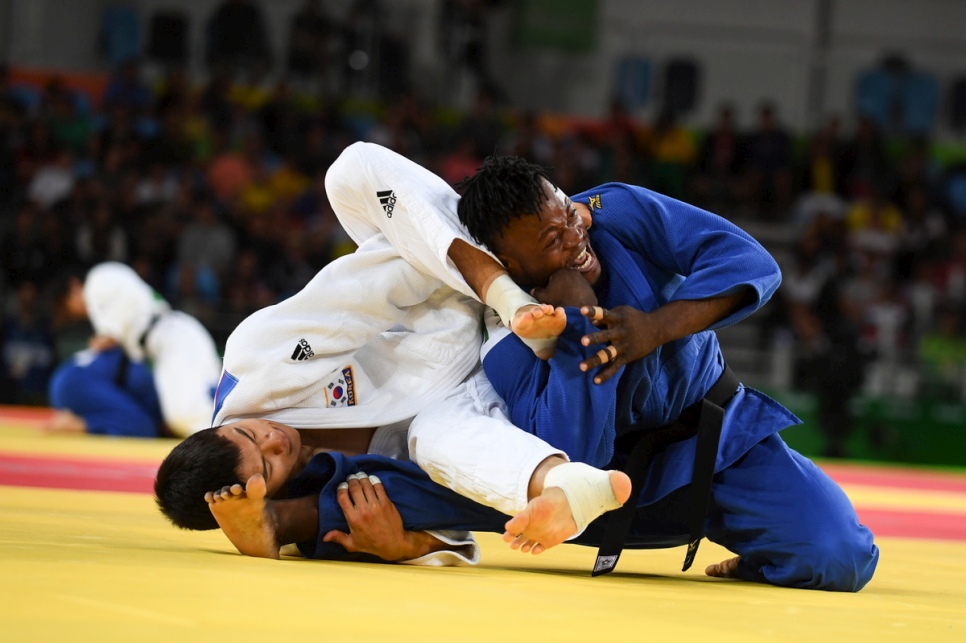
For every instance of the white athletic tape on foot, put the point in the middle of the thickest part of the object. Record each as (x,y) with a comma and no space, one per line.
(588,491)
(537,345)
(505,297)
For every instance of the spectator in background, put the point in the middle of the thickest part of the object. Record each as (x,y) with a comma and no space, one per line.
(719,165)
(874,224)
(27,353)
(943,355)
(864,161)
(214,105)
(125,90)
(482,125)
(462,162)
(54,180)
(769,165)
(207,243)
(672,155)
(156,186)
(821,172)
(229,171)
(21,249)
(526,139)
(69,127)
(923,231)
(101,238)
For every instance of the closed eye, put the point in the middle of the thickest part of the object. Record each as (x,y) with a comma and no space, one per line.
(266,472)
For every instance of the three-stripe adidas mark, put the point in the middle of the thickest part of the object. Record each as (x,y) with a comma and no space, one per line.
(388,201)
(302,351)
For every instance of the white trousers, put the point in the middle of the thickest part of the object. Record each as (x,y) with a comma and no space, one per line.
(467,443)
(186,370)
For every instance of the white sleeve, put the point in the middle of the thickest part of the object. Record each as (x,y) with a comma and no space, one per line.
(348,303)
(373,189)
(465,551)
(120,305)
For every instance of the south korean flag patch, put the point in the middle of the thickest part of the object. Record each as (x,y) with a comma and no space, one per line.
(340,389)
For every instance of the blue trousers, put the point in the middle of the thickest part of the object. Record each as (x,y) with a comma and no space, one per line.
(790,523)
(114,398)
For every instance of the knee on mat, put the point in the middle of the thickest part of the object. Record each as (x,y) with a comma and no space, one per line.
(68,385)
(836,561)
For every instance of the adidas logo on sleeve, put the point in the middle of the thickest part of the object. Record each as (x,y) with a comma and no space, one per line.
(302,351)
(388,200)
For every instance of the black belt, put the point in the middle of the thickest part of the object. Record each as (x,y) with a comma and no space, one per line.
(142,340)
(703,419)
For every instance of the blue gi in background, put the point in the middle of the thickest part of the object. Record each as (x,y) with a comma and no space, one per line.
(789,522)
(114,395)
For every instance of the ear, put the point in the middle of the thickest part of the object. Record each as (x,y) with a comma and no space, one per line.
(512,265)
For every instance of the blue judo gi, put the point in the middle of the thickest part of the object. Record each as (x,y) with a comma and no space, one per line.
(789,522)
(114,395)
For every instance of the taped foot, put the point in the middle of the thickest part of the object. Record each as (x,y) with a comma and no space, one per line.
(574,495)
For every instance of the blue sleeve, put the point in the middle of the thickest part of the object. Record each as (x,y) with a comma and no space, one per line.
(715,256)
(554,400)
(422,503)
(108,409)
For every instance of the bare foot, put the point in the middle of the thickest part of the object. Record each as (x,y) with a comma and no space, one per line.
(65,422)
(539,321)
(548,519)
(724,569)
(246,517)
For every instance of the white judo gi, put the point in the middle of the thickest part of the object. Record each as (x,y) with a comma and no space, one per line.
(184,358)
(385,336)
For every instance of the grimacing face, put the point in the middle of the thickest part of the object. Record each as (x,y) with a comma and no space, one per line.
(533,248)
(267,448)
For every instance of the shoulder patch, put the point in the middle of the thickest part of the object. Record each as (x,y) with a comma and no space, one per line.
(340,390)
(594,203)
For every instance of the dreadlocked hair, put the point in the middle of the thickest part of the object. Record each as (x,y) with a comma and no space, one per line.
(506,187)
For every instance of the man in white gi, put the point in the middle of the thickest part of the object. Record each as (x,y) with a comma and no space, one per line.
(380,337)
(126,311)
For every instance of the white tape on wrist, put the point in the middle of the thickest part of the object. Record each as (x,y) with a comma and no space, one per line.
(506,298)
(588,491)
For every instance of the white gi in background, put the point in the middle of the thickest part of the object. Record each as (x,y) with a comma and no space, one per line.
(183,355)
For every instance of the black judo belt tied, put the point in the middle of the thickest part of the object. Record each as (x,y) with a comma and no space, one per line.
(704,419)
(143,339)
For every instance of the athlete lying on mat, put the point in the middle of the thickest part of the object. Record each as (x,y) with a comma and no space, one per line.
(376,340)
(297,364)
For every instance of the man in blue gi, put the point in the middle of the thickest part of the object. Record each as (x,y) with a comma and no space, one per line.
(650,280)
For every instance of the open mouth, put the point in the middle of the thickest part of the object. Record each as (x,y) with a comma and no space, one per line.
(584,261)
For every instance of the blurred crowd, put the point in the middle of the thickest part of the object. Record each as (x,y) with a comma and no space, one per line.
(214,192)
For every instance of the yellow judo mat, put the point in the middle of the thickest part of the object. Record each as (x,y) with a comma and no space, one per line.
(87,565)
